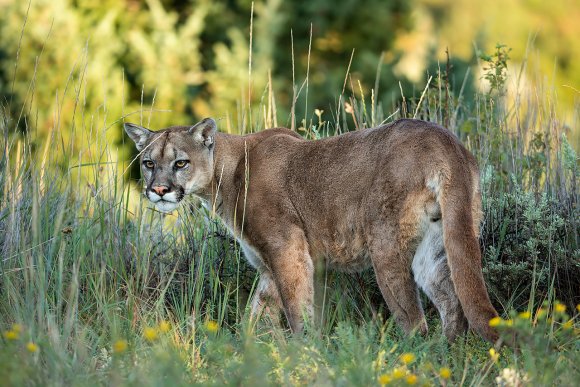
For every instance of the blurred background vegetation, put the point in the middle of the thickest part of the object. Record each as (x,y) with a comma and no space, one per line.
(169,62)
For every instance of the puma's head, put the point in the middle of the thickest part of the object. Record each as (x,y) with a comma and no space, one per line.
(176,161)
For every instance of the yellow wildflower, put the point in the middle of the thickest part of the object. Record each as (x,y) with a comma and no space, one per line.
(407,358)
(578,307)
(11,335)
(398,373)
(560,308)
(164,326)
(509,322)
(31,347)
(211,326)
(120,346)
(150,334)
(525,315)
(494,322)
(568,324)
(541,313)
(384,379)
(17,328)
(493,354)
(411,379)
(445,373)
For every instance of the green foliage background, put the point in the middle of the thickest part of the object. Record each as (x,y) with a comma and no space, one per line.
(191,57)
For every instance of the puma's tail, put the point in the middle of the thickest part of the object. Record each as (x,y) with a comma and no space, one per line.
(460,208)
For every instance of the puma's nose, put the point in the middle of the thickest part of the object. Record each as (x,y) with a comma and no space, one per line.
(160,189)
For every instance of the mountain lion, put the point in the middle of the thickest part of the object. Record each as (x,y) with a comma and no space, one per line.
(403,198)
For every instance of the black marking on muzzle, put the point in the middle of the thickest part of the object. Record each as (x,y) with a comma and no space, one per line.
(180,193)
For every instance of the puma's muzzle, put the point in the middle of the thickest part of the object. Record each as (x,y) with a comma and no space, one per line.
(165,198)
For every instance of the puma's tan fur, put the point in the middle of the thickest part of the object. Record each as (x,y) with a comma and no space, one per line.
(403,198)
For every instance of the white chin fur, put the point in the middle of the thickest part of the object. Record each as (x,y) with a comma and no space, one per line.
(165,206)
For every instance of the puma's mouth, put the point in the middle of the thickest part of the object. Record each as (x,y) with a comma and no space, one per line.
(166,203)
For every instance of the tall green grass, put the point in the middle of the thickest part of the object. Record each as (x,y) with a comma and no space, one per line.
(98,288)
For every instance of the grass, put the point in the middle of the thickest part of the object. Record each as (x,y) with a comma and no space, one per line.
(97,288)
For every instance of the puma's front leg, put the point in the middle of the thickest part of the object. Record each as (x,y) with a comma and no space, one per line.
(266,299)
(293,272)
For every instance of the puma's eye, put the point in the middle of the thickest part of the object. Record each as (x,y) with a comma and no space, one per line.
(148,164)
(181,163)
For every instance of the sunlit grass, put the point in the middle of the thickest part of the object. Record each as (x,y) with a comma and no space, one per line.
(97,288)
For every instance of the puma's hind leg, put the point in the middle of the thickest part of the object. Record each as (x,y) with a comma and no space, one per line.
(432,274)
(391,257)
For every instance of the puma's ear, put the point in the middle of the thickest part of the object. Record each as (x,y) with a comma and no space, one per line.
(204,132)
(138,134)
